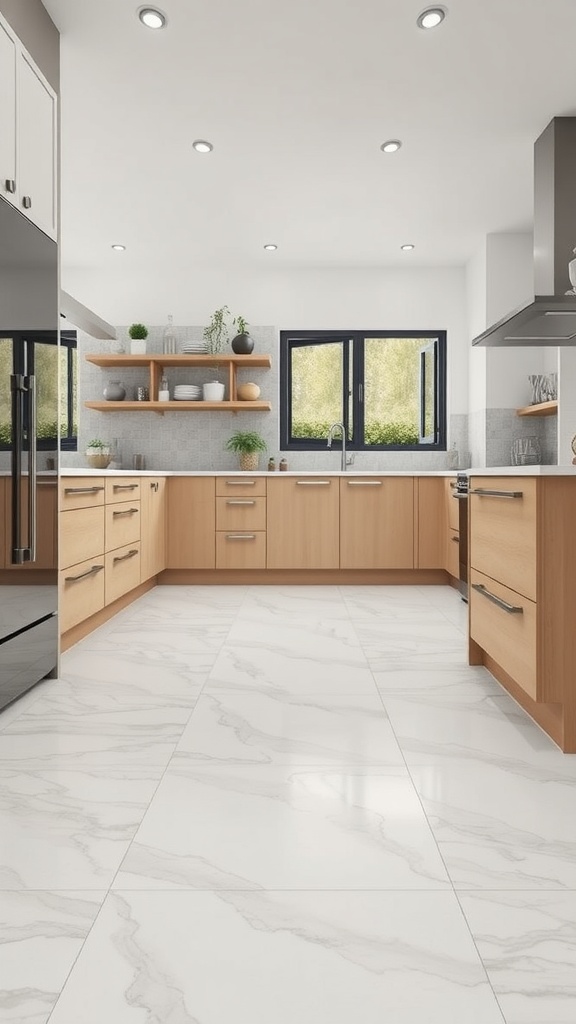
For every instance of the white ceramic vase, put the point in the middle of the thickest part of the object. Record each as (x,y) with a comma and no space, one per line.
(213,391)
(138,347)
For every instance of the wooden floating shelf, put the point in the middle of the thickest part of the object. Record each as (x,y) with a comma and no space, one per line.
(157,359)
(162,407)
(541,409)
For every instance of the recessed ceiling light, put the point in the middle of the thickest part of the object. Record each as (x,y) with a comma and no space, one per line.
(407,248)
(431,17)
(392,146)
(201,146)
(270,247)
(152,17)
(119,248)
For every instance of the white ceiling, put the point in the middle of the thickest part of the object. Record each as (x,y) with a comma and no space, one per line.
(297,97)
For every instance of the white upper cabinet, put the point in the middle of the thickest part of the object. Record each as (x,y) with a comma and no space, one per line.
(27,135)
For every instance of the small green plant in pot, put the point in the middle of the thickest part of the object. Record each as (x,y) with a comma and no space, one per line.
(98,454)
(242,344)
(248,445)
(138,333)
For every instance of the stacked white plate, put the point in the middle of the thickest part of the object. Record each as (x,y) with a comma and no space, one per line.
(187,393)
(195,348)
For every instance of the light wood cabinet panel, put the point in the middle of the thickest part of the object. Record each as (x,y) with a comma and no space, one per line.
(122,571)
(81,535)
(123,489)
(153,527)
(122,524)
(81,592)
(46,524)
(303,523)
(503,623)
(191,532)
(377,523)
(241,550)
(452,554)
(451,503)
(81,492)
(240,513)
(503,531)
(431,522)
(244,486)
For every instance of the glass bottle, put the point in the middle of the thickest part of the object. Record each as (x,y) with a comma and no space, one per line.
(169,342)
(164,391)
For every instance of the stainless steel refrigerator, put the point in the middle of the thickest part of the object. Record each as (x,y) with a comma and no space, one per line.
(29,417)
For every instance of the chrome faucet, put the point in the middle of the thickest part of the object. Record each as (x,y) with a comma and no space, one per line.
(342,428)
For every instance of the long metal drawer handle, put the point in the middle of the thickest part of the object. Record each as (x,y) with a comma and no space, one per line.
(456,540)
(462,495)
(364,483)
(126,512)
(240,536)
(512,609)
(314,483)
(240,501)
(83,575)
(125,487)
(122,558)
(82,490)
(485,493)
(46,483)
(240,483)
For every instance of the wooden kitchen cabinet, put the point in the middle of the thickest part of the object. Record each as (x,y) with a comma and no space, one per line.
(191,530)
(81,592)
(377,523)
(503,540)
(153,527)
(303,523)
(429,502)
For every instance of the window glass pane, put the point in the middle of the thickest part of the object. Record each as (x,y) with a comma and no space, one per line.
(5,396)
(317,387)
(428,365)
(46,371)
(74,384)
(392,390)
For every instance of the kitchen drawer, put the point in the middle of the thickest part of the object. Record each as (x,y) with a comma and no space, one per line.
(81,491)
(452,504)
(122,524)
(122,571)
(123,488)
(241,549)
(503,531)
(234,513)
(240,486)
(452,553)
(509,637)
(81,535)
(81,592)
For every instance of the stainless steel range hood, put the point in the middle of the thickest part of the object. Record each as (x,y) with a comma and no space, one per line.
(551,318)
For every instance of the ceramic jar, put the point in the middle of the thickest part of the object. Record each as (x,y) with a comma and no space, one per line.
(213,391)
(242,344)
(114,391)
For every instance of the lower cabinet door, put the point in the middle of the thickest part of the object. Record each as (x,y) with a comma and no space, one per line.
(303,523)
(453,554)
(81,592)
(377,523)
(241,549)
(503,623)
(122,571)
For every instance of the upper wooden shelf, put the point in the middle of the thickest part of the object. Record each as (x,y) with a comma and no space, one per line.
(158,359)
(541,409)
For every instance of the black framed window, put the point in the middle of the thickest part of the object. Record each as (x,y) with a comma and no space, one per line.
(56,370)
(388,388)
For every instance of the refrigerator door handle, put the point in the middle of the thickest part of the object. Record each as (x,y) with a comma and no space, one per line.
(19,385)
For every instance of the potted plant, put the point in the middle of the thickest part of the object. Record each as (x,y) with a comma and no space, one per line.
(215,335)
(248,445)
(98,454)
(138,334)
(242,344)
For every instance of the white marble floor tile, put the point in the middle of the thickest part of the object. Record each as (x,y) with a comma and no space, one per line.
(502,826)
(433,729)
(67,735)
(320,638)
(13,711)
(288,669)
(278,958)
(177,604)
(278,605)
(135,674)
(450,682)
(85,697)
(69,829)
(245,827)
(412,645)
(527,941)
(268,728)
(204,636)
(41,934)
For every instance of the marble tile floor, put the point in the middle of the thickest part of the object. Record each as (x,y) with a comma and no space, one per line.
(283,805)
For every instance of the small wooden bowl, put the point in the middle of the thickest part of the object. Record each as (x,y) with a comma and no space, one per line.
(248,392)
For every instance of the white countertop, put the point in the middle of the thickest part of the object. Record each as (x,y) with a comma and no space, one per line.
(235,472)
